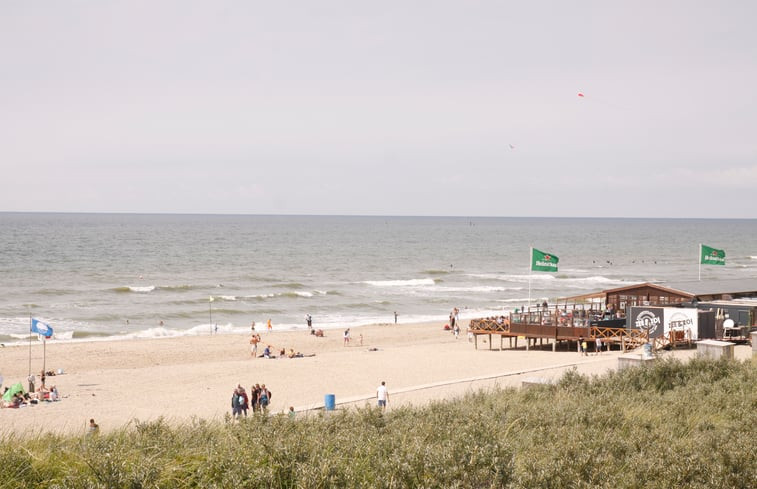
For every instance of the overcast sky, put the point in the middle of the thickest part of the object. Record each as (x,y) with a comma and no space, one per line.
(466,108)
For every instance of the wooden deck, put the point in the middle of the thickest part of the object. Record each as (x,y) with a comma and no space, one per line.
(557,327)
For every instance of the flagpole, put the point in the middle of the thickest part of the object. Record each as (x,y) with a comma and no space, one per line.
(210,313)
(530,263)
(699,259)
(30,343)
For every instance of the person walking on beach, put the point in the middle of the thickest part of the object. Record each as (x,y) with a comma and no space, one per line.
(235,403)
(598,345)
(254,348)
(309,321)
(264,398)
(346,336)
(395,317)
(270,327)
(382,395)
(243,402)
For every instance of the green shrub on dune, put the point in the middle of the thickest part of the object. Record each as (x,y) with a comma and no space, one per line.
(670,425)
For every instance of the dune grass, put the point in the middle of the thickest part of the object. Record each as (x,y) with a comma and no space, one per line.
(669,425)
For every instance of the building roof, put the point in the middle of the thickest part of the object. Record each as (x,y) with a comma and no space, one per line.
(716,287)
(693,288)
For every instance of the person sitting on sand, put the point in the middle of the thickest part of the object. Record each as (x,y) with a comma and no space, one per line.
(93,428)
(319,333)
(267,352)
(16,402)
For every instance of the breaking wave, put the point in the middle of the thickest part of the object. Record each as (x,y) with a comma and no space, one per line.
(400,283)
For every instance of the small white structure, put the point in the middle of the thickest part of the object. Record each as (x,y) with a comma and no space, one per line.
(532,381)
(715,349)
(633,360)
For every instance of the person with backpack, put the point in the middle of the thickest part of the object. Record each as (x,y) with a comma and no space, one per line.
(264,398)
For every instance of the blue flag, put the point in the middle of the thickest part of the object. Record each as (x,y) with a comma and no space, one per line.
(41,328)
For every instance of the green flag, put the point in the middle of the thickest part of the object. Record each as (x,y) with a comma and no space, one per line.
(543,262)
(711,256)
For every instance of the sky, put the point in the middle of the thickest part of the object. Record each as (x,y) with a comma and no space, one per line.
(443,108)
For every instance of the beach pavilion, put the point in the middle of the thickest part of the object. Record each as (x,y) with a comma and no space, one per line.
(602,314)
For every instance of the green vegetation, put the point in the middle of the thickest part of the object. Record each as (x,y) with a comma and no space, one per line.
(670,425)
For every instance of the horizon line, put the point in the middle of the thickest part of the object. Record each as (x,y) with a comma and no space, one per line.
(459,216)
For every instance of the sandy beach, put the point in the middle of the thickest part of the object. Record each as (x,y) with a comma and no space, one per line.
(181,378)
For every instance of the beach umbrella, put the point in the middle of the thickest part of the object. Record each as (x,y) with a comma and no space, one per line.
(18,387)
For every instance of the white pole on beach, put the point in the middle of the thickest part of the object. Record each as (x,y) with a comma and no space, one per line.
(210,313)
(30,343)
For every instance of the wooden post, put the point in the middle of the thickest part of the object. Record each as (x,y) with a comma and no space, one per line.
(490,341)
(475,341)
(528,342)
(554,344)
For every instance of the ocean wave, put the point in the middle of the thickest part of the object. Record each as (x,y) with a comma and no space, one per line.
(513,277)
(139,289)
(400,283)
(478,288)
(180,287)
(295,295)
(260,297)
(599,279)
(54,292)
(753,257)
(290,285)
(435,272)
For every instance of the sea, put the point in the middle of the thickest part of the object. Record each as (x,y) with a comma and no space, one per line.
(104,277)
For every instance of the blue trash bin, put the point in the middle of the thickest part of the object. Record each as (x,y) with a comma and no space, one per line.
(329,401)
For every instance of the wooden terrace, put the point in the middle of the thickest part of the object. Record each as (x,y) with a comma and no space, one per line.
(559,326)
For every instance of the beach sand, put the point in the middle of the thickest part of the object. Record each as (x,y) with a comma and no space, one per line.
(116,382)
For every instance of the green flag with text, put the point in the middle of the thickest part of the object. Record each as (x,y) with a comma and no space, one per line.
(543,262)
(712,256)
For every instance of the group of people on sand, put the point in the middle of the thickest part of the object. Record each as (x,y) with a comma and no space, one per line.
(22,399)
(257,399)
(269,352)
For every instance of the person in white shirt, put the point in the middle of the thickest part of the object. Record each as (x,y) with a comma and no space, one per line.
(382,395)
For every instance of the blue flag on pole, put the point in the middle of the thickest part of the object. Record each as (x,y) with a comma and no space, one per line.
(41,328)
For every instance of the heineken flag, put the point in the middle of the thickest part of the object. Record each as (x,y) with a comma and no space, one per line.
(543,262)
(711,256)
